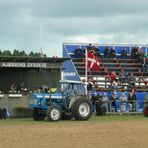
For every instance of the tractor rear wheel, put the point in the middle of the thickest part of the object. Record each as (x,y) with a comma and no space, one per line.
(38,115)
(145,111)
(81,109)
(53,113)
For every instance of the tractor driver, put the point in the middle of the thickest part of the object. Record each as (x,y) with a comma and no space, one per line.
(70,91)
(67,90)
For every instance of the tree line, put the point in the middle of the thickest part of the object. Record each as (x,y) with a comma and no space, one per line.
(22,53)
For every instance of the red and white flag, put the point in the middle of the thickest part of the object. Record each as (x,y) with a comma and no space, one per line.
(93,62)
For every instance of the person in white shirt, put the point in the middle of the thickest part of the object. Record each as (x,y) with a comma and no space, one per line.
(105,102)
(123,100)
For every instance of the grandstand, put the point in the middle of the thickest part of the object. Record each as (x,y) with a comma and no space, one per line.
(75,68)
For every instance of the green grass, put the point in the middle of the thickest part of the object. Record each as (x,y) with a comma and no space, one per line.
(113,118)
(119,118)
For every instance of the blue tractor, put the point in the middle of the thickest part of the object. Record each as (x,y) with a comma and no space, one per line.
(69,101)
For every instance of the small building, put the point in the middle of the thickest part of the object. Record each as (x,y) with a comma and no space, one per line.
(33,72)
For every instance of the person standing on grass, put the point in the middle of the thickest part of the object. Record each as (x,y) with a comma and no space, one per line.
(123,100)
(132,100)
(114,99)
(105,101)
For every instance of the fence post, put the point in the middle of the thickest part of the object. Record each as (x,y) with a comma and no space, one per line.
(110,106)
(136,106)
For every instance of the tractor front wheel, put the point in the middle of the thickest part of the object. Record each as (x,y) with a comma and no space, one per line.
(53,113)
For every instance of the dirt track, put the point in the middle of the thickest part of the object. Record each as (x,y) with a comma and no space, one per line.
(125,134)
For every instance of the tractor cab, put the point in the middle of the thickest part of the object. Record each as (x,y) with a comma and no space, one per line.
(67,87)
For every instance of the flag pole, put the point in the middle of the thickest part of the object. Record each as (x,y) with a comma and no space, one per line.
(86,67)
(41,38)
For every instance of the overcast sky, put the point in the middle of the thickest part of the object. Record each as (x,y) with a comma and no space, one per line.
(62,21)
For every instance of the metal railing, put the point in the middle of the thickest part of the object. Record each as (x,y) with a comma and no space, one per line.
(133,108)
(136,107)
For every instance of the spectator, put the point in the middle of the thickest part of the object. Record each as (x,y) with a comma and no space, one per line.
(105,102)
(94,98)
(124,53)
(140,55)
(100,97)
(134,52)
(113,77)
(122,76)
(144,64)
(90,47)
(112,53)
(100,108)
(114,99)
(131,81)
(89,86)
(114,82)
(132,101)
(79,53)
(83,52)
(12,88)
(106,52)
(97,53)
(114,86)
(123,100)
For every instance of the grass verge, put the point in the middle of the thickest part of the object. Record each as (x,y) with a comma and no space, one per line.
(94,118)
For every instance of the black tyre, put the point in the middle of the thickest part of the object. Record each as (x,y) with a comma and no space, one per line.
(145,111)
(100,110)
(81,109)
(66,116)
(38,115)
(53,113)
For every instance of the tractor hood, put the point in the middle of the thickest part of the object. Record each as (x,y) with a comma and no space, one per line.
(56,96)
(47,96)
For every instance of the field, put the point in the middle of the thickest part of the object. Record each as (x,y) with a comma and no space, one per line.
(111,131)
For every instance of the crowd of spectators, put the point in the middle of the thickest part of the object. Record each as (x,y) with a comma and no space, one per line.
(80,53)
(123,102)
(137,53)
(110,52)
(127,101)
(122,79)
(17,88)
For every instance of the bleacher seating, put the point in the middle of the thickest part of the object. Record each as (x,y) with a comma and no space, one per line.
(100,78)
(107,68)
(108,65)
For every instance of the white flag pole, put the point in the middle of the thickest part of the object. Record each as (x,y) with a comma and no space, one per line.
(86,67)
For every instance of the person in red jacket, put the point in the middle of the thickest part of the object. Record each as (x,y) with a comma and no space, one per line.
(113,77)
(114,82)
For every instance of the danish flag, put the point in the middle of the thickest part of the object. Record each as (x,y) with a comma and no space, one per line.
(93,62)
